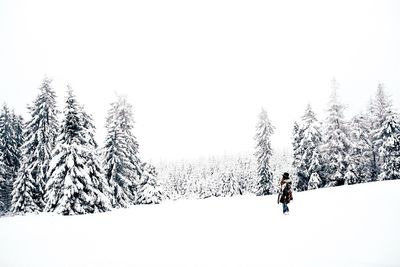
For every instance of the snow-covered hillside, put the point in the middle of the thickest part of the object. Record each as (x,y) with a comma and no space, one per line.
(344,226)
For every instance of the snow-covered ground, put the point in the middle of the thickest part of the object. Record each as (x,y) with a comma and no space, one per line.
(345,226)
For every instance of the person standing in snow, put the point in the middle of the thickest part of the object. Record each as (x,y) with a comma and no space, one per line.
(285,192)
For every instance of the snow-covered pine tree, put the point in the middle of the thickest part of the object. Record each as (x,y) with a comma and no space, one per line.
(336,143)
(125,118)
(246,174)
(117,167)
(96,173)
(18,126)
(24,186)
(360,153)
(389,151)
(212,183)
(70,189)
(121,162)
(178,186)
(297,152)
(230,184)
(314,181)
(23,192)
(3,174)
(40,134)
(150,189)
(9,147)
(373,164)
(263,154)
(7,140)
(308,149)
(380,110)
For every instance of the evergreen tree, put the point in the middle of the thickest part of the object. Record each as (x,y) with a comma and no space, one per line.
(9,147)
(336,144)
(230,185)
(40,135)
(381,110)
(389,151)
(314,182)
(246,175)
(22,194)
(96,173)
(18,126)
(263,154)
(297,153)
(24,185)
(116,167)
(125,119)
(10,137)
(361,153)
(3,174)
(373,165)
(308,153)
(70,189)
(121,162)
(150,189)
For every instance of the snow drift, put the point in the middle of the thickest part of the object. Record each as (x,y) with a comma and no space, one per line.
(343,226)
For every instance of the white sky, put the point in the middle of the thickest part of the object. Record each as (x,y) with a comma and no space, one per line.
(198,72)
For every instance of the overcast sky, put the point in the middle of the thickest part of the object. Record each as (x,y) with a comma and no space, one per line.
(198,72)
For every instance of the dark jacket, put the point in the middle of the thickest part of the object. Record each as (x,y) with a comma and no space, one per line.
(286,191)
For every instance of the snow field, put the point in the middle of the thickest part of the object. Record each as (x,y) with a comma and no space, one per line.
(344,226)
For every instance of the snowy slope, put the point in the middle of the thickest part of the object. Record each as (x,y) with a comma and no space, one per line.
(346,226)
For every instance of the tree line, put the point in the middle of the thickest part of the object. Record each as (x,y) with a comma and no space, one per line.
(326,153)
(338,151)
(57,166)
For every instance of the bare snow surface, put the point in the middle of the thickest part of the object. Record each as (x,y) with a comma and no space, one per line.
(345,226)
